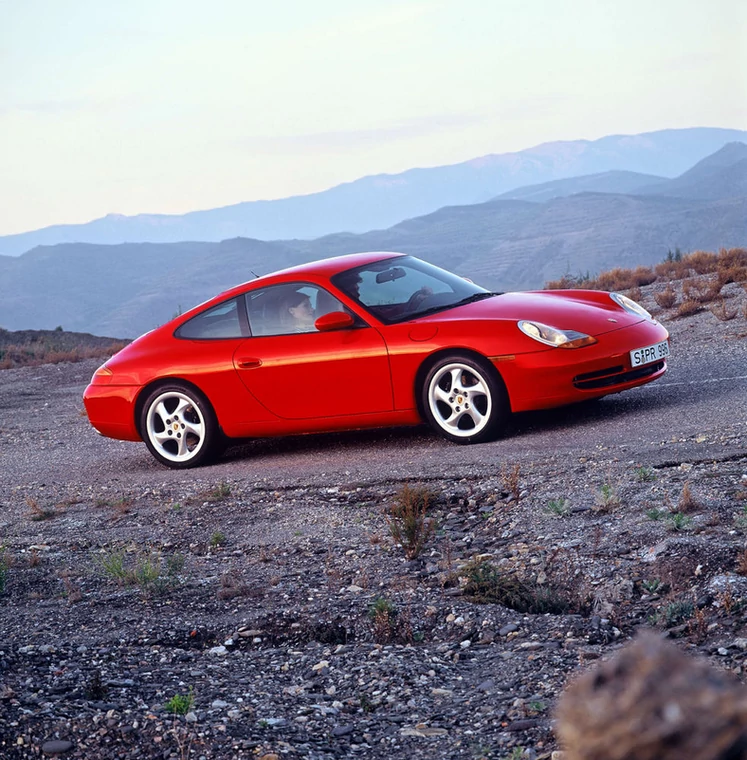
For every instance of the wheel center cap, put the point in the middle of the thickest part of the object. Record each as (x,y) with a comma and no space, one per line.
(460,399)
(176,426)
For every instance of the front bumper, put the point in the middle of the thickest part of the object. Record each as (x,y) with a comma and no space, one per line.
(555,377)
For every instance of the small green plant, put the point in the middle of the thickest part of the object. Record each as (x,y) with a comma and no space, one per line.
(180,704)
(673,614)
(645,474)
(145,570)
(536,705)
(486,584)
(679,521)
(607,498)
(651,586)
(217,539)
(174,564)
(656,514)
(408,524)
(740,518)
(221,491)
(559,507)
(4,567)
(176,506)
(383,616)
(113,565)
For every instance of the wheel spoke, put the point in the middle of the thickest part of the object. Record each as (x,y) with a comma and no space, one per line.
(182,444)
(162,437)
(161,411)
(456,380)
(442,395)
(195,428)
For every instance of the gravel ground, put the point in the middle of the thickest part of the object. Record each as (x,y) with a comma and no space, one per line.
(265,600)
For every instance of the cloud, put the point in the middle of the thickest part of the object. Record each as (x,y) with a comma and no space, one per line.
(340,140)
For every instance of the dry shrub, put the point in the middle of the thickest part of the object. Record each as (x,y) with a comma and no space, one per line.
(667,298)
(702,262)
(688,308)
(635,294)
(34,354)
(570,282)
(510,480)
(388,623)
(741,566)
(702,291)
(672,270)
(408,524)
(624,279)
(688,502)
(732,264)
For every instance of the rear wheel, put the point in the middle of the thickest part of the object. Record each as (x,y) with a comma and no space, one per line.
(179,427)
(464,399)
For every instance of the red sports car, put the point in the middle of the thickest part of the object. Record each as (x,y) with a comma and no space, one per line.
(367,340)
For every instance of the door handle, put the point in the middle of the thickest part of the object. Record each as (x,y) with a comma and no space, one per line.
(248,362)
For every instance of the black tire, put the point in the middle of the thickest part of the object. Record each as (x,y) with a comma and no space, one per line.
(464,399)
(179,427)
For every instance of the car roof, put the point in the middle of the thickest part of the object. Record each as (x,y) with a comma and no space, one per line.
(313,270)
(324,268)
(332,266)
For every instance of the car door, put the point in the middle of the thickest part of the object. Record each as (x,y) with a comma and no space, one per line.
(312,374)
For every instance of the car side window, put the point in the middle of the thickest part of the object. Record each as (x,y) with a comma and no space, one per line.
(220,321)
(288,308)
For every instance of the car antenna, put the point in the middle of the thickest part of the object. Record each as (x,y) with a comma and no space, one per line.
(256,276)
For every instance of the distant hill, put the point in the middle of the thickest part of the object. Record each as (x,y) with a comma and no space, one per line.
(380,201)
(721,175)
(503,244)
(604,182)
(31,347)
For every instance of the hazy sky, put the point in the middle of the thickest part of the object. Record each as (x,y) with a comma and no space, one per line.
(167,106)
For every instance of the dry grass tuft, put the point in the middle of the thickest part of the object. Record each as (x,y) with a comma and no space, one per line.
(408,524)
(688,502)
(688,308)
(667,298)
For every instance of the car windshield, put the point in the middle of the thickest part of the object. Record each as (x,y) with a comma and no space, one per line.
(403,288)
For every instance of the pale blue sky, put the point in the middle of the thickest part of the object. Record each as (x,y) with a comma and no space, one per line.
(167,106)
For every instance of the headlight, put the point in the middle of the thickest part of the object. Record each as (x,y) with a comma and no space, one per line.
(551,336)
(630,305)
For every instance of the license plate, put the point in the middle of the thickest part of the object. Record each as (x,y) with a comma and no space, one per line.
(649,354)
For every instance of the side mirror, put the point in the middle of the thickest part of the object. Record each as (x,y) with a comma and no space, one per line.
(334,320)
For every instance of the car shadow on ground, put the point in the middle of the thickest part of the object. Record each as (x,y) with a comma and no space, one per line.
(355,443)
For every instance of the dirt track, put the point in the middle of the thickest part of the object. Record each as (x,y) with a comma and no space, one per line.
(306,551)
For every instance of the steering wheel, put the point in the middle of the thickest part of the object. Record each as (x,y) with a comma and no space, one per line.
(418,298)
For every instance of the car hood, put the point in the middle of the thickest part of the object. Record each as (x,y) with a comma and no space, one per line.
(593,313)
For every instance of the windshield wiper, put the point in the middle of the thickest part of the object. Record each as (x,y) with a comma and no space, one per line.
(474,297)
(443,307)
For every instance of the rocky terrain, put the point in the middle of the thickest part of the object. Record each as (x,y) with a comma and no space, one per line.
(268,607)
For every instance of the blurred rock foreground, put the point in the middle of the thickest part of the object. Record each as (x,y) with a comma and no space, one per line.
(652,702)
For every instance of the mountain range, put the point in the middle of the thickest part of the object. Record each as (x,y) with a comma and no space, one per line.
(378,202)
(519,239)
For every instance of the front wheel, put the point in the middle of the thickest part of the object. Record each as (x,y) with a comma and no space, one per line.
(464,399)
(179,427)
